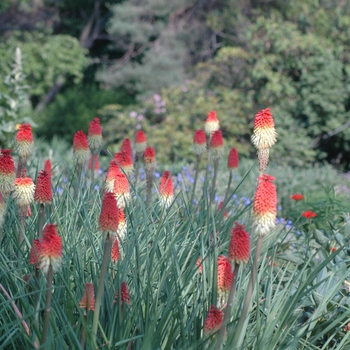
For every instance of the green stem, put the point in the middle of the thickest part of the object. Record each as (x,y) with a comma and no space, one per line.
(216,166)
(249,294)
(36,301)
(47,308)
(228,187)
(106,256)
(83,331)
(92,168)
(228,309)
(41,220)
(149,186)
(198,159)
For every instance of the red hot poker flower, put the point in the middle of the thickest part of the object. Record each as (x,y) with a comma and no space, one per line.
(88,300)
(212,123)
(233,159)
(213,321)
(121,190)
(297,196)
(225,277)
(216,147)
(51,248)
(81,150)
(24,142)
(95,135)
(115,253)
(23,193)
(199,146)
(47,166)
(112,172)
(239,249)
(108,220)
(166,189)
(149,159)
(122,226)
(43,191)
(264,207)
(125,294)
(264,135)
(124,160)
(35,253)
(309,214)
(7,172)
(126,147)
(140,142)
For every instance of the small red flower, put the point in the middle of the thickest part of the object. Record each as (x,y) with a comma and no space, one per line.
(51,248)
(7,172)
(239,249)
(47,166)
(265,203)
(216,146)
(232,160)
(297,196)
(199,264)
(43,191)
(213,321)
(334,249)
(140,142)
(308,214)
(95,135)
(88,300)
(126,147)
(199,142)
(225,273)
(166,189)
(23,193)
(212,123)
(225,210)
(35,253)
(149,158)
(108,220)
(24,142)
(81,151)
(125,294)
(115,253)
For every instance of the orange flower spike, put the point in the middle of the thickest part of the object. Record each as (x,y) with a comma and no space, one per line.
(264,207)
(140,142)
(264,135)
(239,249)
(125,294)
(199,146)
(7,172)
(95,135)
(124,160)
(115,252)
(35,253)
(166,189)
(23,193)
(121,190)
(225,274)
(233,159)
(81,151)
(213,321)
(47,166)
(216,146)
(24,142)
(108,220)
(88,300)
(43,190)
(112,172)
(126,147)
(51,249)
(212,123)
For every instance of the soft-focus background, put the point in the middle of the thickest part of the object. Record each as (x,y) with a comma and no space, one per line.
(161,65)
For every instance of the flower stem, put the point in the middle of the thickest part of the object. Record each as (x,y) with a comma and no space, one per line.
(41,220)
(47,308)
(228,187)
(83,331)
(198,159)
(227,309)
(106,255)
(249,294)
(216,166)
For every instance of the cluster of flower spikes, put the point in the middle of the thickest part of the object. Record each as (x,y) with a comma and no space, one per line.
(48,250)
